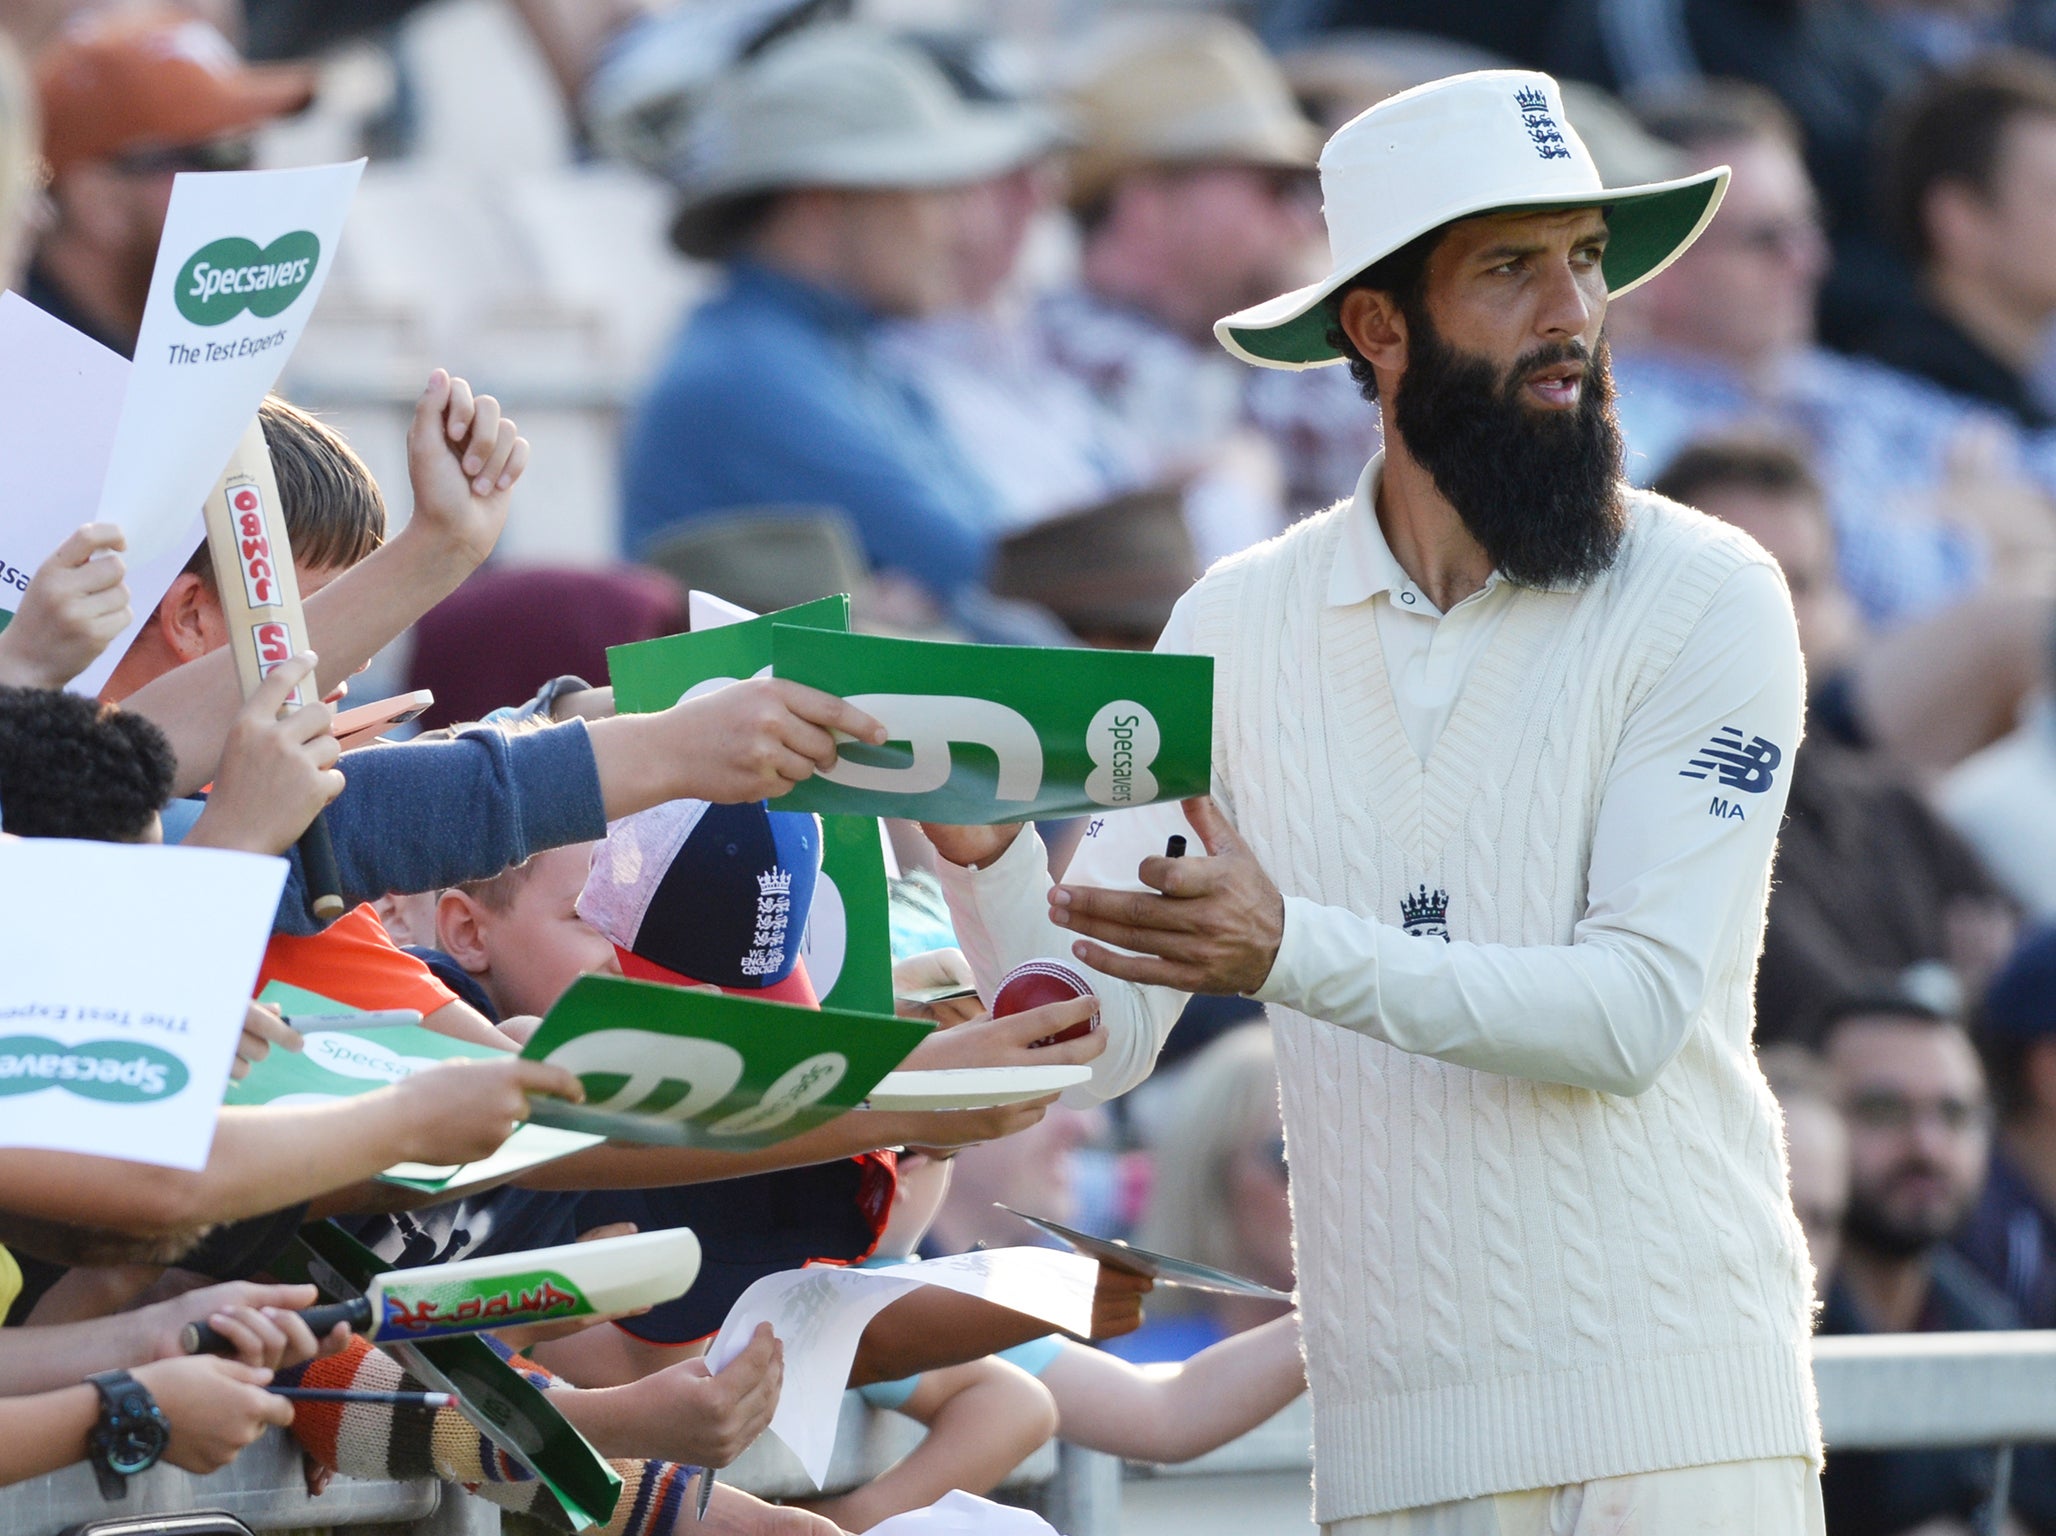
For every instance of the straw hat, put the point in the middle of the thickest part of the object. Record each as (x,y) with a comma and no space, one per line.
(1196,90)
(841,105)
(1496,141)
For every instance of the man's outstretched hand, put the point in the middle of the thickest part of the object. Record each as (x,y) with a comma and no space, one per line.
(1215,927)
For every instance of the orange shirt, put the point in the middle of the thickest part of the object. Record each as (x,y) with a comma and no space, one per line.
(354,961)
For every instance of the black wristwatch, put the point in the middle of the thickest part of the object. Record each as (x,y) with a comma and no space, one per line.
(131,1434)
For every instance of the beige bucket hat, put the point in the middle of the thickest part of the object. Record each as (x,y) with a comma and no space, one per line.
(842,105)
(1185,90)
(1494,141)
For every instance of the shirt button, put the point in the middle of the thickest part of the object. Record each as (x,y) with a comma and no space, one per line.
(1406,597)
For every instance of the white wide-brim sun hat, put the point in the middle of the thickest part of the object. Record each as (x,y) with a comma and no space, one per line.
(1494,141)
(844,104)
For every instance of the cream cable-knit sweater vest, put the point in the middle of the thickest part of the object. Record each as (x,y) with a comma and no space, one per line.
(1505,1284)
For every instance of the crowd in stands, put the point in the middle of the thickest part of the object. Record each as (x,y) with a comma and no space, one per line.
(949,348)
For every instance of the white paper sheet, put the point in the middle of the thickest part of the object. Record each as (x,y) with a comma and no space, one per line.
(60,393)
(820,1315)
(128,968)
(203,366)
(958,1513)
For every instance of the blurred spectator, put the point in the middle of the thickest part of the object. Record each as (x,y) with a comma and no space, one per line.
(2002,801)
(1969,196)
(1873,891)
(130,98)
(1509,33)
(1193,185)
(1924,507)
(1765,486)
(505,633)
(1049,446)
(569,35)
(21,204)
(1218,1196)
(828,174)
(1031,1171)
(1919,1140)
(1835,65)
(2011,1237)
(650,74)
(1816,1150)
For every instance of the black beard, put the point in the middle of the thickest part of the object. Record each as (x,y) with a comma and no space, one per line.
(1869,1226)
(1541,492)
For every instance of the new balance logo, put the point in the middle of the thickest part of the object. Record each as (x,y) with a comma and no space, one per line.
(1744,765)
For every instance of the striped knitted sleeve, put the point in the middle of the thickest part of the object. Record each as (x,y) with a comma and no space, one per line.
(382,1442)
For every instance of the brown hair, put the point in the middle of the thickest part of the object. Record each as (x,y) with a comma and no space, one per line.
(1763,464)
(1951,130)
(335,514)
(498,892)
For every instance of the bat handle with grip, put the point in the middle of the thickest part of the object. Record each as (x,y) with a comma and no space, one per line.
(200,1339)
(318,867)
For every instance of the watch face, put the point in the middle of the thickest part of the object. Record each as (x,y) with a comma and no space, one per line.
(137,1436)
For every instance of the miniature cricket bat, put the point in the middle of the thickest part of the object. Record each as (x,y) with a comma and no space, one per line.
(260,597)
(542,1285)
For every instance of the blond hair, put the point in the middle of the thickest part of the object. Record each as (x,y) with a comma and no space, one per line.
(1226,1102)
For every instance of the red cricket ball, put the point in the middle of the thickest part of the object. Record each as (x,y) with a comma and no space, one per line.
(1035,983)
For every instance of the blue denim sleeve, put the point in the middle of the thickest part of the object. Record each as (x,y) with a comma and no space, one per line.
(421,815)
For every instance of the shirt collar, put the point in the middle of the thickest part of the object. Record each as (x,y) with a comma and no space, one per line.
(1364,563)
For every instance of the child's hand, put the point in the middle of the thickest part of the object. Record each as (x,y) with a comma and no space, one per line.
(215,1407)
(1010,1042)
(262,1029)
(754,740)
(74,606)
(707,1420)
(936,968)
(262,1321)
(463,459)
(460,1111)
(1117,1302)
(277,769)
(940,1130)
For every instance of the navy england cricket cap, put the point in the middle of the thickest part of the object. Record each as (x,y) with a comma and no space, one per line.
(691,893)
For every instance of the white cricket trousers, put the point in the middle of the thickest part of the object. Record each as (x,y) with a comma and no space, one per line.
(1733,1498)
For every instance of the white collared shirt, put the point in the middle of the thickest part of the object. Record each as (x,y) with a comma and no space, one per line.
(1428,653)
(1668,879)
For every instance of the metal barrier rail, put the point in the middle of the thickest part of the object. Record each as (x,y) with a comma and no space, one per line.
(1890,1392)
(1887,1392)
(266,1488)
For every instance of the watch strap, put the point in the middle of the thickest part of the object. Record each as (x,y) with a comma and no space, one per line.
(115,1389)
